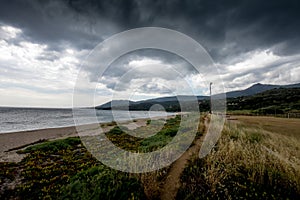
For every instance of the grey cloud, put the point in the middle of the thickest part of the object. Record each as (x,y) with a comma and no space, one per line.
(247,24)
(54,23)
(229,30)
(49,56)
(118,67)
(240,25)
(155,88)
(276,72)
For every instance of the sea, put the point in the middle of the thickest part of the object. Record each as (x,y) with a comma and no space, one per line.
(25,119)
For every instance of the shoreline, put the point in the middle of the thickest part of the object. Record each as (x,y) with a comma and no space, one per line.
(13,140)
(84,124)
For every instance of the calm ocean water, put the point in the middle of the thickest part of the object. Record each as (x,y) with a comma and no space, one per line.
(21,119)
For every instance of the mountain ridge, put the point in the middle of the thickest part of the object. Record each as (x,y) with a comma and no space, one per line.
(257,88)
(172,101)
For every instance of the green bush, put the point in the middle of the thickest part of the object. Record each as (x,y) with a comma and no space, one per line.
(115,131)
(53,146)
(155,142)
(103,183)
(163,137)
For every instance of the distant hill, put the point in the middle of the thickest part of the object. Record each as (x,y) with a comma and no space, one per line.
(116,104)
(169,103)
(258,88)
(278,100)
(174,98)
(172,104)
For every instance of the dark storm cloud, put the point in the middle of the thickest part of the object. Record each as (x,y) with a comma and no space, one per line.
(225,28)
(54,23)
(231,27)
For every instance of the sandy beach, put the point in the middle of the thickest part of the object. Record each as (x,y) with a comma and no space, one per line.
(10,141)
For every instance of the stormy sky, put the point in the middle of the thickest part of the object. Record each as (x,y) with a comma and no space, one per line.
(44,42)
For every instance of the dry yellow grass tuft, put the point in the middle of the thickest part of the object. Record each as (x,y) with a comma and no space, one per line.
(247,162)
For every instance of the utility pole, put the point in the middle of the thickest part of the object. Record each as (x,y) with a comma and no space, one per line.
(210,110)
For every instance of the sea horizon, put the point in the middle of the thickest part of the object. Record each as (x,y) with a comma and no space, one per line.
(17,119)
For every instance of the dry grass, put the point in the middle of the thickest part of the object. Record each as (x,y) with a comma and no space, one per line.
(282,126)
(258,149)
(247,162)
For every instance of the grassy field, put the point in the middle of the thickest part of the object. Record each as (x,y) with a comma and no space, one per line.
(282,126)
(256,158)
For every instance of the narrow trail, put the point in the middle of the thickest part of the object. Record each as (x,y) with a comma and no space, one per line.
(172,182)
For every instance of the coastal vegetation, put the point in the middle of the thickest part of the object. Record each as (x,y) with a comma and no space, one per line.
(64,169)
(248,162)
(276,101)
(252,159)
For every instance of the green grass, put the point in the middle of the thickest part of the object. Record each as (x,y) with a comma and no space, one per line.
(64,169)
(101,182)
(163,137)
(115,131)
(53,146)
(136,144)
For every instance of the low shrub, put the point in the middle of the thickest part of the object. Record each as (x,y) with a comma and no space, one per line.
(53,146)
(100,182)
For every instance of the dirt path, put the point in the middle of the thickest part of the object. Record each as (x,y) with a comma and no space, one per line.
(172,183)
